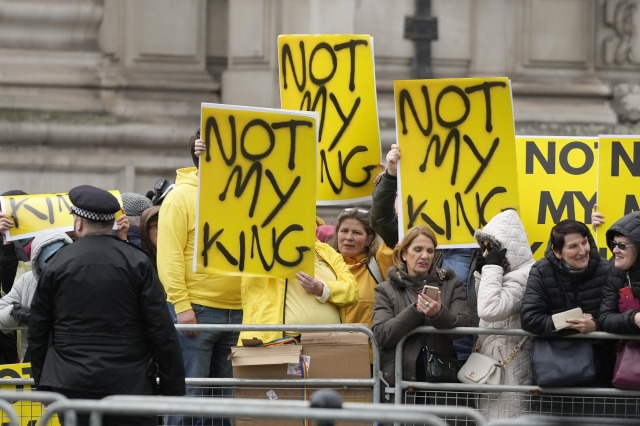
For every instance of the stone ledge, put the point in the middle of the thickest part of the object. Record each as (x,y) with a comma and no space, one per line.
(103,130)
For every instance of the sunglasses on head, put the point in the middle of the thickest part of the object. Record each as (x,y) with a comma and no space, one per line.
(621,246)
(353,209)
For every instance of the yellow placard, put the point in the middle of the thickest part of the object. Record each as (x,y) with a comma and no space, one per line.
(618,181)
(557,179)
(457,155)
(333,74)
(34,213)
(256,204)
(29,412)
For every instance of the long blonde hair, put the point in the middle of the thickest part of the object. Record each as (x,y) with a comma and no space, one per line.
(409,236)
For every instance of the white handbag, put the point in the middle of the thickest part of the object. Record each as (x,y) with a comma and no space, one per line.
(482,369)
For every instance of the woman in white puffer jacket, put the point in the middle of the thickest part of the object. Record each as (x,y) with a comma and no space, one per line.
(500,280)
(43,247)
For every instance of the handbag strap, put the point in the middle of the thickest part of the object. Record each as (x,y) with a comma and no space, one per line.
(374,270)
(514,351)
(512,354)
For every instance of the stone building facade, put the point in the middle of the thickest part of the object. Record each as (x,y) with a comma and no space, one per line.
(108,92)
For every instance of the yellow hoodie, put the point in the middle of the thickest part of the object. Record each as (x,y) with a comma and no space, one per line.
(176,232)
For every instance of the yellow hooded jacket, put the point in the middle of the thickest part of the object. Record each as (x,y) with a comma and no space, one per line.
(176,233)
(263,299)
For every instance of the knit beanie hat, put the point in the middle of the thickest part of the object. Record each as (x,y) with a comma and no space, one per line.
(47,251)
(134,204)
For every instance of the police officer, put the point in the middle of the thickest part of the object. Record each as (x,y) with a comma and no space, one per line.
(99,321)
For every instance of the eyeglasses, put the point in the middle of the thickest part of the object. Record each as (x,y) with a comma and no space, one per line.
(621,246)
(353,210)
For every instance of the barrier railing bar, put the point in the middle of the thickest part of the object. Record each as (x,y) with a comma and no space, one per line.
(37,396)
(137,405)
(11,412)
(373,382)
(402,384)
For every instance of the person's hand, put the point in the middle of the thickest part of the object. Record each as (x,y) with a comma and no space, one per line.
(122,226)
(480,262)
(199,147)
(496,257)
(597,218)
(20,313)
(5,223)
(392,160)
(636,319)
(586,324)
(188,317)
(428,306)
(310,284)
(379,175)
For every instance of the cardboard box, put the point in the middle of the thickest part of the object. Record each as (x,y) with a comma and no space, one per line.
(266,362)
(336,355)
(327,355)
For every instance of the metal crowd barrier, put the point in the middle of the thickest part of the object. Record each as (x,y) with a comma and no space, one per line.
(373,383)
(604,395)
(352,389)
(300,410)
(626,402)
(7,398)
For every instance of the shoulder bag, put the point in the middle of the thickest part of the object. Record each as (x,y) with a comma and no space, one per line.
(483,369)
(440,367)
(563,362)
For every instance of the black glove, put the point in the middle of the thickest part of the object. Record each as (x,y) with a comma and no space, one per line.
(20,313)
(480,262)
(496,257)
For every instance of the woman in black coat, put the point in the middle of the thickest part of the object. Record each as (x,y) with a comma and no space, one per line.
(571,274)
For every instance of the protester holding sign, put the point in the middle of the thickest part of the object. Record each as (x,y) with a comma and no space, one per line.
(197,298)
(500,280)
(13,254)
(301,300)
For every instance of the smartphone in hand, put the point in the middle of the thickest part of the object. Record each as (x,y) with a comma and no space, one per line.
(431,291)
